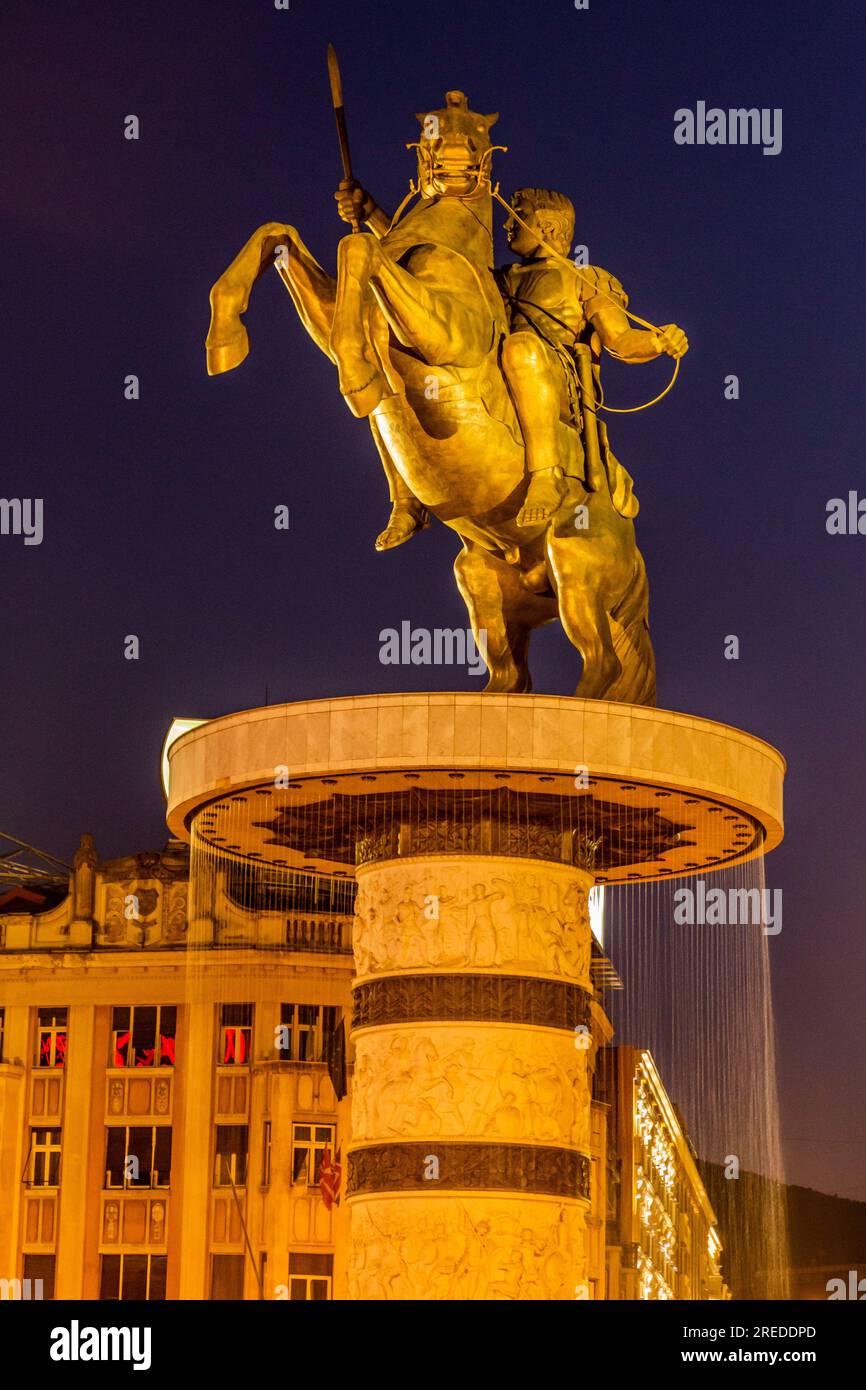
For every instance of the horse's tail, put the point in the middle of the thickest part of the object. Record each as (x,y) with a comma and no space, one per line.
(629,625)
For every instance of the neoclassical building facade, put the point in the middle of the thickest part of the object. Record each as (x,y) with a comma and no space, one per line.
(176,1107)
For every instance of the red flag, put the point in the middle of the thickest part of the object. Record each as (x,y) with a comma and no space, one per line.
(329,1179)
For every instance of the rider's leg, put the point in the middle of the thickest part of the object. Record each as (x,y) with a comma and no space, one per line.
(532,372)
(408,515)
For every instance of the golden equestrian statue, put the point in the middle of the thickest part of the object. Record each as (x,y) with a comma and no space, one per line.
(481,389)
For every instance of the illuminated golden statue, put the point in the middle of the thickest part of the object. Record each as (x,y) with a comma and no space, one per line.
(481,391)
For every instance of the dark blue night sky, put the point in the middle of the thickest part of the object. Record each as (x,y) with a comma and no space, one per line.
(159,513)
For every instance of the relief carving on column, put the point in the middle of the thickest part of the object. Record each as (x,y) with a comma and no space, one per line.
(471,1083)
(428,1249)
(491,914)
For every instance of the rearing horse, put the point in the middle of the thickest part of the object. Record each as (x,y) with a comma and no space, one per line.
(415,323)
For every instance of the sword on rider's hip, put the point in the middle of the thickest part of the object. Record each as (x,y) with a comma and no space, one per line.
(596,475)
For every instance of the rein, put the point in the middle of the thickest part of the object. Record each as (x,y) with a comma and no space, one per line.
(597,403)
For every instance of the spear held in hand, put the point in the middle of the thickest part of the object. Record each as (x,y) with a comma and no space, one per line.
(340,117)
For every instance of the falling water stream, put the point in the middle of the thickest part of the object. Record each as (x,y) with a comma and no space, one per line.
(697,994)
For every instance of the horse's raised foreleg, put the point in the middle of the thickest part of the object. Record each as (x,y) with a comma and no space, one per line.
(438,324)
(503,613)
(312,290)
(440,327)
(362,382)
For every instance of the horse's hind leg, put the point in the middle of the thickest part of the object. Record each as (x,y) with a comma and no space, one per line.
(584,615)
(503,614)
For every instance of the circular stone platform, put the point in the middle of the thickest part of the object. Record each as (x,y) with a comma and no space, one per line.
(625,792)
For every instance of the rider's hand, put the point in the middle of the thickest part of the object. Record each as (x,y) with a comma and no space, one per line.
(354,203)
(672,340)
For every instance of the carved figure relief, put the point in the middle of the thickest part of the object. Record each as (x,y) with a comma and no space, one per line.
(157,1223)
(518,920)
(175,914)
(423,1248)
(464,1083)
(112,1212)
(114,927)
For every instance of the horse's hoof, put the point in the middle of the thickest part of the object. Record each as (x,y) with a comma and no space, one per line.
(362,400)
(509,682)
(599,685)
(402,525)
(224,357)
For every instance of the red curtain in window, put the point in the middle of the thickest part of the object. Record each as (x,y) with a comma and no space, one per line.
(235,1049)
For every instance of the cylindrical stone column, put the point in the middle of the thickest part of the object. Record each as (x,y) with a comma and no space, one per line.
(469,1162)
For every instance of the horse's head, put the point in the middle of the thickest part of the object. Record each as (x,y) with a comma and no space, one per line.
(454,151)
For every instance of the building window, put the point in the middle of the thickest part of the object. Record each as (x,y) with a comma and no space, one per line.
(308,1144)
(230,1157)
(310,1277)
(143,1036)
(51,1039)
(266,1154)
(39,1270)
(45,1157)
(227,1276)
(2,1030)
(133,1277)
(306,1031)
(138,1156)
(236,1034)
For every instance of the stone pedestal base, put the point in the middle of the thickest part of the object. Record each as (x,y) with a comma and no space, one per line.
(469,1167)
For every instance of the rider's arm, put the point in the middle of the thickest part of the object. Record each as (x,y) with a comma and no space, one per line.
(612,327)
(605,310)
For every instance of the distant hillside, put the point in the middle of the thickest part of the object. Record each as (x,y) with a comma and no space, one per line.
(827,1235)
